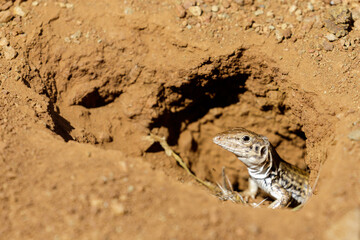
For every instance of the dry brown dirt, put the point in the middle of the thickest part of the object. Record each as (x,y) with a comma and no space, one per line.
(83,82)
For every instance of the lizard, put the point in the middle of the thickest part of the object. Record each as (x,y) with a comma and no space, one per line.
(267,170)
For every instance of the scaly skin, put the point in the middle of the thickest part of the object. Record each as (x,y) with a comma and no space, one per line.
(281,180)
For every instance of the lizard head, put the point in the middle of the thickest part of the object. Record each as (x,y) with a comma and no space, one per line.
(251,148)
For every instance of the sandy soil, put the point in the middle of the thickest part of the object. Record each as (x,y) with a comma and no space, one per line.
(83,82)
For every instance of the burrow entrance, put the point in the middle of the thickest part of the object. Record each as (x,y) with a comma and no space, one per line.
(234,90)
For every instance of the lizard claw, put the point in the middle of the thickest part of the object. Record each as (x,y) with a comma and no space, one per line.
(248,194)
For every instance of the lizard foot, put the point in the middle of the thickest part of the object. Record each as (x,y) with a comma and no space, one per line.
(251,191)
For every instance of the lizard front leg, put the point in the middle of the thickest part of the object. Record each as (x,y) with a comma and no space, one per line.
(282,196)
(251,191)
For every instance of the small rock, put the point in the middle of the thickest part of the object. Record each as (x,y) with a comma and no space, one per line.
(69,5)
(298,12)
(357,24)
(292,9)
(195,10)
(130,188)
(180,11)
(328,46)
(128,11)
(215,8)
(355,13)
(337,20)
(279,36)
(270,14)
(18,11)
(310,6)
(287,33)
(76,35)
(5,16)
(331,37)
(259,12)
(223,16)
(226,4)
(117,208)
(35,3)
(354,135)
(9,52)
(4,42)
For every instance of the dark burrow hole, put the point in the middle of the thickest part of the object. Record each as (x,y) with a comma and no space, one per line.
(220,92)
(202,93)
(94,99)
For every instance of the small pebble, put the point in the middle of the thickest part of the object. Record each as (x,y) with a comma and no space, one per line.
(298,12)
(355,14)
(223,16)
(292,9)
(259,12)
(195,10)
(331,37)
(310,6)
(76,35)
(354,135)
(215,8)
(9,52)
(270,14)
(279,36)
(357,24)
(4,42)
(128,11)
(130,189)
(180,11)
(5,16)
(226,4)
(18,11)
(69,5)
(35,3)
(117,208)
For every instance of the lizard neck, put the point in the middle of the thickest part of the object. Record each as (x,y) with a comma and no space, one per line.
(262,171)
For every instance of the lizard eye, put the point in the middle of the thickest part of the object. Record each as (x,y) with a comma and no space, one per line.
(245,138)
